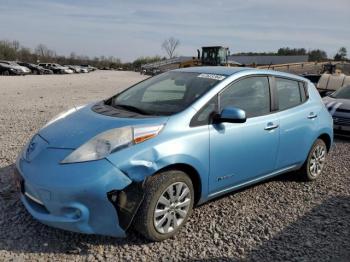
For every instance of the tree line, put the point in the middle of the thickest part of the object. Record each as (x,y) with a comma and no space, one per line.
(315,55)
(14,51)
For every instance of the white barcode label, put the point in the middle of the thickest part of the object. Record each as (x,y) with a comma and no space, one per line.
(212,76)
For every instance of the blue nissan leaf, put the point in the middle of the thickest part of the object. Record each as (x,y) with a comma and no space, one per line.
(146,156)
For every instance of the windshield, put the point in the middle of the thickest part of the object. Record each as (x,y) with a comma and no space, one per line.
(343,93)
(165,94)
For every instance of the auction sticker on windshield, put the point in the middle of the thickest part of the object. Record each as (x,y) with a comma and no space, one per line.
(212,76)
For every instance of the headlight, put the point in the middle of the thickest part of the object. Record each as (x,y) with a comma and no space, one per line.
(110,141)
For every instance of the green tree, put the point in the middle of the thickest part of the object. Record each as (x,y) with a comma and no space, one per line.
(291,51)
(317,55)
(341,54)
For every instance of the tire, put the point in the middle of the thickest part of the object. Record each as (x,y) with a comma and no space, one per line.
(6,73)
(315,162)
(162,226)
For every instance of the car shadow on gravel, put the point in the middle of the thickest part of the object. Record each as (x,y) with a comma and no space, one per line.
(20,233)
(320,235)
(344,139)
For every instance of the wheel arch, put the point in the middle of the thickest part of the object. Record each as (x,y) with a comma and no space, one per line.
(191,172)
(327,139)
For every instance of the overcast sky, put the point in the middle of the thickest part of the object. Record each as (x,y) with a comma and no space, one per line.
(129,29)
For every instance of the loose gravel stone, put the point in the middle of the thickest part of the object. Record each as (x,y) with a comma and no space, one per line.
(283,219)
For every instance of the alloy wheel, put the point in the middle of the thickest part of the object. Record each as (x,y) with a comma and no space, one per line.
(172,208)
(317,160)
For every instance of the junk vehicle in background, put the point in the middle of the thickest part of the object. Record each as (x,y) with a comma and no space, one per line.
(338,104)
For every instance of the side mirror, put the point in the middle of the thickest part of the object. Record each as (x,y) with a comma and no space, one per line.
(231,115)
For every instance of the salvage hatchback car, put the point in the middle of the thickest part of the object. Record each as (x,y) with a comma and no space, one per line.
(338,104)
(146,156)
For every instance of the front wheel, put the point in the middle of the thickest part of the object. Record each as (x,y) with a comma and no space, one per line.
(315,161)
(167,205)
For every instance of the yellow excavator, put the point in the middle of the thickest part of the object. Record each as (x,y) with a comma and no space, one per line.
(210,56)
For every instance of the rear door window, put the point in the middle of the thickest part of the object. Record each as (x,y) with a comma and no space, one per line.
(288,93)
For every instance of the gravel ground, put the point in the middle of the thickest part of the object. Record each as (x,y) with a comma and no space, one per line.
(281,219)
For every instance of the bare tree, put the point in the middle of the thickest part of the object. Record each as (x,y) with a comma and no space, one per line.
(41,50)
(170,45)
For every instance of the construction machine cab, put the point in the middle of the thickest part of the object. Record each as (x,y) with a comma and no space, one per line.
(214,55)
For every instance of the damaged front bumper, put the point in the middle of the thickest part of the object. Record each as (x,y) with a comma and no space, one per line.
(92,197)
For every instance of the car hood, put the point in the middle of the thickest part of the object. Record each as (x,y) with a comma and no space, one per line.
(331,102)
(24,69)
(19,67)
(6,66)
(79,125)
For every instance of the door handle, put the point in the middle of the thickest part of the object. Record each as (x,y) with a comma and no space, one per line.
(270,126)
(312,115)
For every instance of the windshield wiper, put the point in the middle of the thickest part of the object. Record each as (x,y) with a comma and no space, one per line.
(131,108)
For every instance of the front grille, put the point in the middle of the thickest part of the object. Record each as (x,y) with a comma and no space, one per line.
(341,121)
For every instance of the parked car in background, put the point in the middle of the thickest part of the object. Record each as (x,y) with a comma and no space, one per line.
(36,69)
(338,104)
(147,155)
(56,68)
(75,69)
(47,71)
(84,69)
(6,70)
(24,70)
(89,67)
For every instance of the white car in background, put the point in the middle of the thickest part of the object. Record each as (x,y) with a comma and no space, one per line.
(84,70)
(77,69)
(67,70)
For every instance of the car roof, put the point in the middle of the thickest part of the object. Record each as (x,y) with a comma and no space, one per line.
(220,70)
(228,71)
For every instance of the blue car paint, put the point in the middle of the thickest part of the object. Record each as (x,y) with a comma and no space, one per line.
(226,156)
(81,187)
(245,143)
(86,124)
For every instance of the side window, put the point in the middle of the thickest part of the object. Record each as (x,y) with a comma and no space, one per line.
(288,93)
(250,94)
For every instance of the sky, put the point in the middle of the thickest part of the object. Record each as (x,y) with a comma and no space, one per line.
(134,28)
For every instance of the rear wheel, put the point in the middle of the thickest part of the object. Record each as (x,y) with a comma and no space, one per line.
(315,161)
(168,203)
(6,73)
